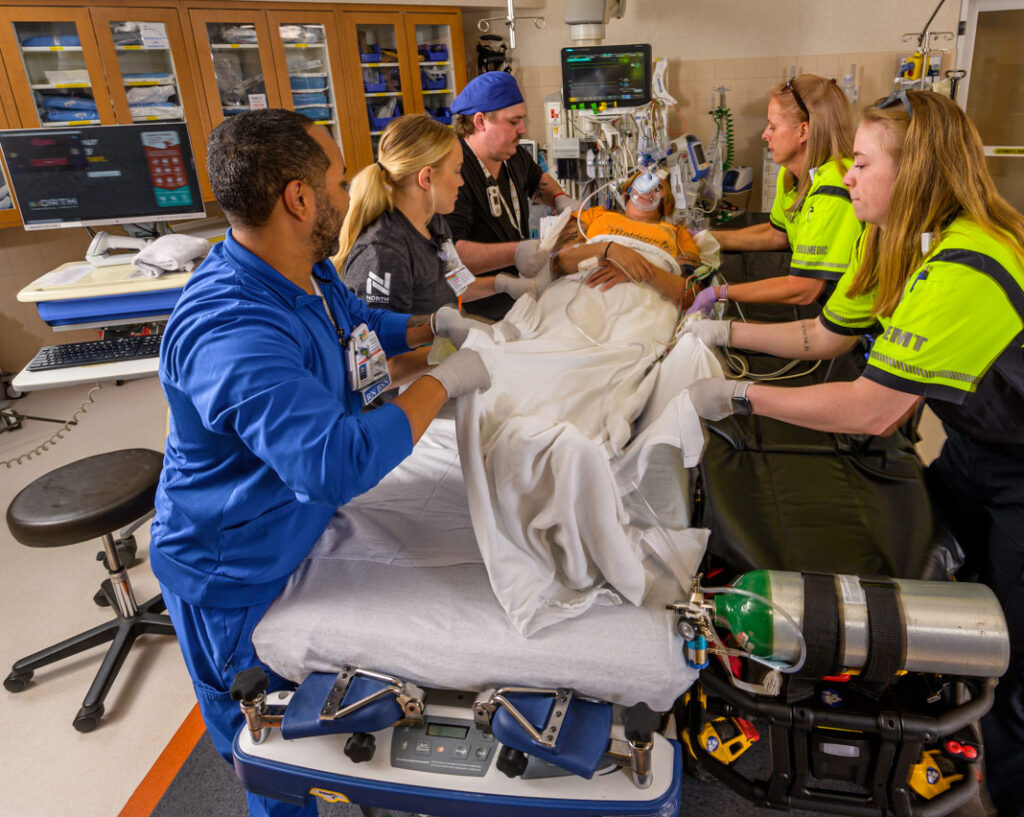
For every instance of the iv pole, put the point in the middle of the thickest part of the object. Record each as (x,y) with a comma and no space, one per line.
(510,21)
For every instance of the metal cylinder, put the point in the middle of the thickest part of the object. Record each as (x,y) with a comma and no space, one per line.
(954,628)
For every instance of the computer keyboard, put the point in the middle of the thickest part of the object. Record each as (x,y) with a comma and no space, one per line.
(114,350)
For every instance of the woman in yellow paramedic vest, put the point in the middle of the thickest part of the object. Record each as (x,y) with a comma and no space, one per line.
(938,277)
(809,133)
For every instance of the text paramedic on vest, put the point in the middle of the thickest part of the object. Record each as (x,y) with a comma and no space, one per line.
(938,278)
(267,435)
(809,133)
(491,220)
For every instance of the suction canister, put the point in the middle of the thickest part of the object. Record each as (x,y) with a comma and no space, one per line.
(954,628)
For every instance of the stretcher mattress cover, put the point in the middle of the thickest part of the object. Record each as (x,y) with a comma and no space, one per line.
(396,584)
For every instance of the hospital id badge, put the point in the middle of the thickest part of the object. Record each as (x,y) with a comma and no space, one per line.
(367,363)
(456,273)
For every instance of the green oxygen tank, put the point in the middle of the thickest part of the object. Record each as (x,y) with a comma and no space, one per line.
(954,628)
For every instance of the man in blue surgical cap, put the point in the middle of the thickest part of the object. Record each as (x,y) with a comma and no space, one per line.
(490,223)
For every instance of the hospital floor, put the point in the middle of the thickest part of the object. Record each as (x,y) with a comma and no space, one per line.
(47,767)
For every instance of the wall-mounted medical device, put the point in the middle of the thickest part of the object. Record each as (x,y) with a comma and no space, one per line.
(587,18)
(698,161)
(599,78)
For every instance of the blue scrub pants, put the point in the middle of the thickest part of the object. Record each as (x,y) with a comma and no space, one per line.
(217,645)
(980,489)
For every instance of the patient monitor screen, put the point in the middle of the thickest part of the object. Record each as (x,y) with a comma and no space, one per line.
(606,76)
(112,174)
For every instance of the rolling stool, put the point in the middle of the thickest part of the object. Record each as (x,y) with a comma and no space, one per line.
(78,502)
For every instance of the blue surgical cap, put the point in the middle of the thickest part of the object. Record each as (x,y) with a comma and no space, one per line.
(488,92)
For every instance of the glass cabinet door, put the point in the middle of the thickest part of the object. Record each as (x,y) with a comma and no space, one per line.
(237,71)
(147,70)
(60,82)
(307,52)
(382,77)
(235,50)
(436,69)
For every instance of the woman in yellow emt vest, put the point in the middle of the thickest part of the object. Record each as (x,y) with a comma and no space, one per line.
(809,133)
(941,269)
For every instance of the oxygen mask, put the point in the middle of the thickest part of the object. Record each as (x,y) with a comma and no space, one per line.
(645,192)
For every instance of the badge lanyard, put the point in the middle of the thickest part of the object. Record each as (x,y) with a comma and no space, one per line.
(514,212)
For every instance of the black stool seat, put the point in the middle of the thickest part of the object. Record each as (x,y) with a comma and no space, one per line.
(86,499)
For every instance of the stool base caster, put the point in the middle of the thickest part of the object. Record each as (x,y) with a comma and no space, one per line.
(17,681)
(88,719)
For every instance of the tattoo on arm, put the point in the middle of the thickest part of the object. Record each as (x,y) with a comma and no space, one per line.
(418,320)
(803,331)
(543,189)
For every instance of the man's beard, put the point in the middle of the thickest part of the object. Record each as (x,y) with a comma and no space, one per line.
(327,230)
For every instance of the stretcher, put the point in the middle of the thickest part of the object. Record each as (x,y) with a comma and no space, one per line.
(414,692)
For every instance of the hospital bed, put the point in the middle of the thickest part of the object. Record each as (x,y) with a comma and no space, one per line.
(417,694)
(414,691)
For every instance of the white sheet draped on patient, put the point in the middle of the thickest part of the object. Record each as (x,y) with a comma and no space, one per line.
(559,496)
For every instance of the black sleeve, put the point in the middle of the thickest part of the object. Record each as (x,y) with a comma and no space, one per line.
(380,275)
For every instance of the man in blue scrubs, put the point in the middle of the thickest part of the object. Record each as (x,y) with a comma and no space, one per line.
(267,434)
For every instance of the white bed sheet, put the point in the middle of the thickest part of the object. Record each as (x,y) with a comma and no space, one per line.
(396,584)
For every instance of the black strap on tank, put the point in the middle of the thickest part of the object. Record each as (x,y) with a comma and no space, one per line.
(820,623)
(887,635)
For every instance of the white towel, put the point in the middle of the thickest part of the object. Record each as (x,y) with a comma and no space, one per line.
(170,253)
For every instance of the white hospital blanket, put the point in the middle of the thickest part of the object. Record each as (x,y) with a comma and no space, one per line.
(395,584)
(552,487)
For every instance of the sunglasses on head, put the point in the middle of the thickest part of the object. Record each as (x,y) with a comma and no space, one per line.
(897,96)
(797,98)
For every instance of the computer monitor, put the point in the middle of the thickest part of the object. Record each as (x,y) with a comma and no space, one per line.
(602,77)
(112,174)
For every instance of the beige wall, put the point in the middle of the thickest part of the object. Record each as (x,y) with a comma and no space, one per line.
(24,256)
(743,45)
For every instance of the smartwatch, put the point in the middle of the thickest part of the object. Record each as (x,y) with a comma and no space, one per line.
(740,401)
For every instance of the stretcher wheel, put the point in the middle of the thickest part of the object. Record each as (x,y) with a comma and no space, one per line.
(88,719)
(17,681)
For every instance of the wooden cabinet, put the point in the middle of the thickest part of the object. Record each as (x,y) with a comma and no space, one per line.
(398,63)
(287,57)
(350,68)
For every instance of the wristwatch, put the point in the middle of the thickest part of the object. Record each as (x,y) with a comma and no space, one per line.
(740,401)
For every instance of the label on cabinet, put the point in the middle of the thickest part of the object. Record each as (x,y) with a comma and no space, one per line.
(257,101)
(154,35)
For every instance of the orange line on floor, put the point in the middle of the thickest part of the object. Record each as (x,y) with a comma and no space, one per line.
(156,781)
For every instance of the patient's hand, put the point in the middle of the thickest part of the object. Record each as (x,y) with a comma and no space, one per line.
(621,264)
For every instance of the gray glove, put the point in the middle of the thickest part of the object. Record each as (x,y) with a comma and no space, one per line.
(515,286)
(712,333)
(449,323)
(566,202)
(712,396)
(530,258)
(461,373)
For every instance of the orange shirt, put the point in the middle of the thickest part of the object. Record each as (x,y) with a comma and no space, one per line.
(675,240)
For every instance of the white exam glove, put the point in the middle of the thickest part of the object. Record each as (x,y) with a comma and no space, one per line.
(515,286)
(709,248)
(712,396)
(530,258)
(566,202)
(712,333)
(463,372)
(449,323)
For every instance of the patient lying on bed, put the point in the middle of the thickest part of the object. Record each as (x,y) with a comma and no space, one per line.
(560,487)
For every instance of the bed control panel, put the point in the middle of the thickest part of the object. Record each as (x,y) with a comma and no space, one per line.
(443,746)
